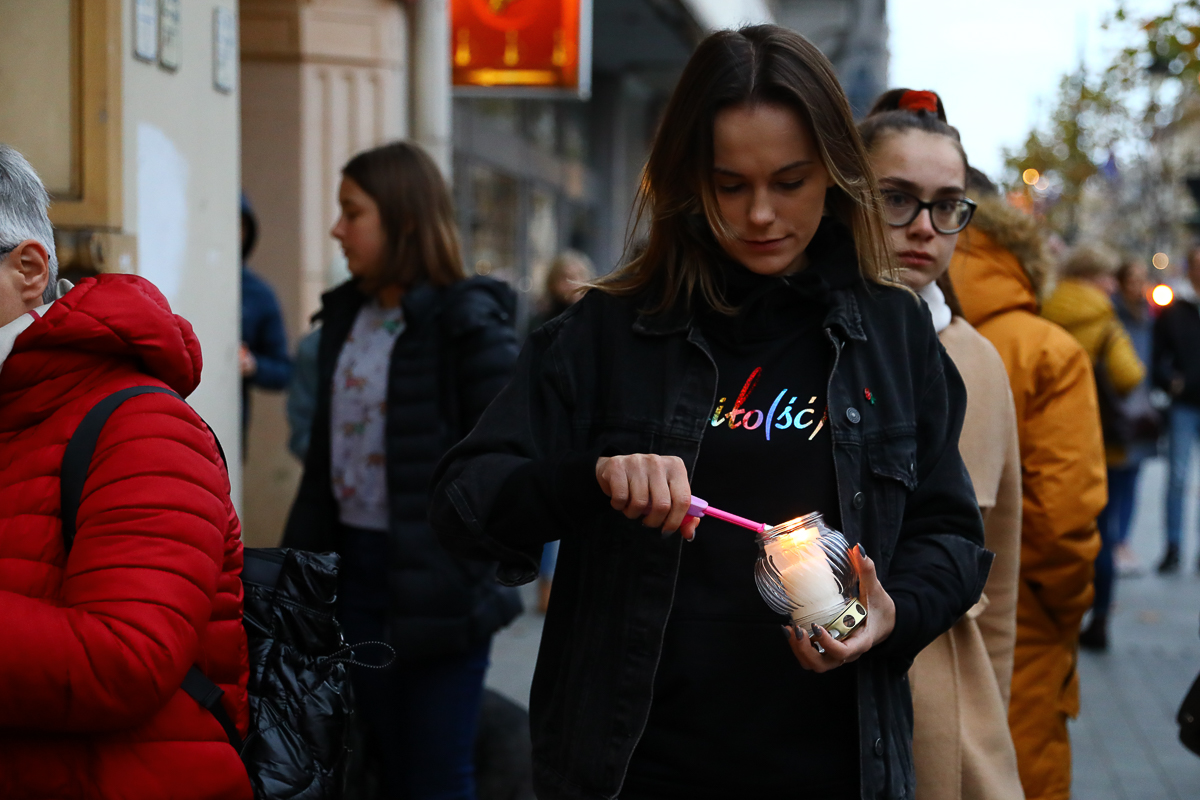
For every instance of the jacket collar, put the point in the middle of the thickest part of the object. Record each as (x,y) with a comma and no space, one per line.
(10,332)
(417,303)
(832,277)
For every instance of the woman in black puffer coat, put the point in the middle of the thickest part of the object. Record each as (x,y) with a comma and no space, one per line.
(411,353)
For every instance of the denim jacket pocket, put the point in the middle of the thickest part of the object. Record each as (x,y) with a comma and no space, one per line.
(893,475)
(895,458)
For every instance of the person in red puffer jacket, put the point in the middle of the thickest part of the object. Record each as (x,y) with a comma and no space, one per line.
(93,647)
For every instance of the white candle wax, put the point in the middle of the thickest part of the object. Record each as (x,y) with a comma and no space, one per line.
(806,573)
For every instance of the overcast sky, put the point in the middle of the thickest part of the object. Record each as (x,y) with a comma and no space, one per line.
(997,64)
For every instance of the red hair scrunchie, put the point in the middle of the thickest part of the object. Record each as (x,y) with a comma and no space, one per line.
(915,101)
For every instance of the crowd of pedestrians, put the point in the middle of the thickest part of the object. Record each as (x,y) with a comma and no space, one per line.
(970,413)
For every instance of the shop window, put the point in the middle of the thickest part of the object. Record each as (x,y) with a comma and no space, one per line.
(501,113)
(495,209)
(542,233)
(572,132)
(540,125)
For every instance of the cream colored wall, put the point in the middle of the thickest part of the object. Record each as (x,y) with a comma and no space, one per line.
(320,81)
(181,180)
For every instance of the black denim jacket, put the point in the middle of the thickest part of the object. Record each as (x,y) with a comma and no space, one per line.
(604,376)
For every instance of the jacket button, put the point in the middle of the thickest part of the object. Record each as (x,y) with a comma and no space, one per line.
(859,500)
(879,747)
(852,414)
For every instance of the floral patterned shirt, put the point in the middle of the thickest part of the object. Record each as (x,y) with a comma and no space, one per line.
(358,414)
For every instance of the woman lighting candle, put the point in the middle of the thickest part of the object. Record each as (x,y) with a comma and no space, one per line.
(758,352)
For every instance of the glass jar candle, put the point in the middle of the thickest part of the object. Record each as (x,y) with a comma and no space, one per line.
(804,570)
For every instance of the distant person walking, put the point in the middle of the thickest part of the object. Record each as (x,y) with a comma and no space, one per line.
(962,748)
(998,270)
(1176,370)
(263,356)
(566,283)
(1125,463)
(409,355)
(1081,304)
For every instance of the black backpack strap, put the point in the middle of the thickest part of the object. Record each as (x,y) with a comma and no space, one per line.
(78,456)
(76,461)
(208,695)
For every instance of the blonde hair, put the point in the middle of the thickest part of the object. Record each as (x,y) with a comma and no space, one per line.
(1090,261)
(563,262)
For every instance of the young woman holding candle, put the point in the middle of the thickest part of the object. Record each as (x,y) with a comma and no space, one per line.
(960,683)
(758,353)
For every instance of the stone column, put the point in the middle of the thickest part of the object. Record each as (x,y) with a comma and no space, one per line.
(431,81)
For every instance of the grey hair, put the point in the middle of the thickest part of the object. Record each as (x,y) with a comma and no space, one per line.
(23,205)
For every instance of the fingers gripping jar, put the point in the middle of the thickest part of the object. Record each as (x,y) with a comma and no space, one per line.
(804,569)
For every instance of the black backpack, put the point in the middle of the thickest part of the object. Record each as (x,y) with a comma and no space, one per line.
(1124,420)
(299,689)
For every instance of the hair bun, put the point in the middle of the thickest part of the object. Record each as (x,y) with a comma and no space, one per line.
(910,101)
(914,101)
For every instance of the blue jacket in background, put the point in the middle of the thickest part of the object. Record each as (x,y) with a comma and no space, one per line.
(263,333)
(302,394)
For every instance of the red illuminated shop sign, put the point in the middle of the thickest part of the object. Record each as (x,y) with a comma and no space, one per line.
(522,47)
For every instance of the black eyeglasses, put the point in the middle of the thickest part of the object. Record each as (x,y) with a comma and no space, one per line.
(948,216)
(6,250)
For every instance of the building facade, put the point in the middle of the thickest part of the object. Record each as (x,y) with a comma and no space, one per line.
(324,79)
(129,112)
(153,114)
(853,34)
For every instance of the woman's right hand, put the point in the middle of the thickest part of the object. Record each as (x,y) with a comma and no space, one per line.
(653,487)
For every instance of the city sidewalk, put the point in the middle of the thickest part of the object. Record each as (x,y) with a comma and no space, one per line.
(1126,744)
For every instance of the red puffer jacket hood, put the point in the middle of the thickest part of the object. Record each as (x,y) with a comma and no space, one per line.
(95,646)
(119,317)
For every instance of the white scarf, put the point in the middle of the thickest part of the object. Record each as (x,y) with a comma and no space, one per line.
(10,332)
(938,309)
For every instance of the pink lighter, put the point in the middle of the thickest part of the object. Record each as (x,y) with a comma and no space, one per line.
(701,508)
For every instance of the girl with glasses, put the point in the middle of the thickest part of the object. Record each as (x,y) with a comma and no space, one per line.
(960,683)
(758,353)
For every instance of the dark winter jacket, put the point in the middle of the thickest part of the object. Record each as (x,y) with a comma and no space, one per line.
(456,352)
(1176,350)
(604,377)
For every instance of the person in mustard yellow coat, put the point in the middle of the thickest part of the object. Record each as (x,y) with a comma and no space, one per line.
(998,270)
(1082,304)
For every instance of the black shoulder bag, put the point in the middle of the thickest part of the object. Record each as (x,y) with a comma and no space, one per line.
(299,688)
(1122,420)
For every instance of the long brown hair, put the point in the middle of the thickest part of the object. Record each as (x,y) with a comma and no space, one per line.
(757,64)
(416,213)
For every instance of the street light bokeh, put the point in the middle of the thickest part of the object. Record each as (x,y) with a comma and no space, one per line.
(1030,176)
(1160,261)
(1162,295)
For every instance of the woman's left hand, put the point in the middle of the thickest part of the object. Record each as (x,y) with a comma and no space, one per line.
(881,618)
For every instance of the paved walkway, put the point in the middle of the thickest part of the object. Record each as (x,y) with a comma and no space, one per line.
(1126,743)
(1125,740)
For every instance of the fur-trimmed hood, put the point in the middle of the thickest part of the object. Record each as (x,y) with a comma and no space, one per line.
(1000,263)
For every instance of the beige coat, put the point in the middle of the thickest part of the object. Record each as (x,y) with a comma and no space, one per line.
(960,683)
